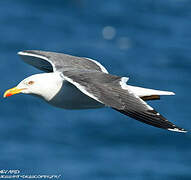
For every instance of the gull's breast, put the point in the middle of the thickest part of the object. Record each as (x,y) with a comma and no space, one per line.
(70,97)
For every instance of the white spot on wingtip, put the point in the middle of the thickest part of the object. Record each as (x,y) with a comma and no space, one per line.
(177,130)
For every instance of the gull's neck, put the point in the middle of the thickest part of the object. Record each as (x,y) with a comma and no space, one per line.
(49,85)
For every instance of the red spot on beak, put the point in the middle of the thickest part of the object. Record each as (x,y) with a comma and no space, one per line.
(8,94)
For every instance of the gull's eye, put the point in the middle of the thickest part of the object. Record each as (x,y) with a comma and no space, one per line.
(30,83)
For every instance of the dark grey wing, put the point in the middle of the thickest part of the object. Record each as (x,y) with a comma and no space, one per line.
(52,61)
(112,91)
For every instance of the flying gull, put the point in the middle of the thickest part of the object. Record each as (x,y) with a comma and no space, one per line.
(71,82)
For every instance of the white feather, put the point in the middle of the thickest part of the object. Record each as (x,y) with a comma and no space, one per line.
(141,92)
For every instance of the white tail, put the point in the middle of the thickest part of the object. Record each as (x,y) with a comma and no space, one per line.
(141,92)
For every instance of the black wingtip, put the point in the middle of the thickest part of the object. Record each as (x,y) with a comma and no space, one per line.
(153,118)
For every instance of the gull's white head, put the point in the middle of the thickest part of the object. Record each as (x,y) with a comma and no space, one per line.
(45,85)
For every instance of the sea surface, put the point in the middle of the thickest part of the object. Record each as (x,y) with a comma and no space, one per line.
(148,41)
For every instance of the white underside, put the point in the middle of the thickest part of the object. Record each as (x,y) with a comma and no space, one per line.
(70,97)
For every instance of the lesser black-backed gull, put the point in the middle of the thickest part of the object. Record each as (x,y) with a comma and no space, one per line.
(80,83)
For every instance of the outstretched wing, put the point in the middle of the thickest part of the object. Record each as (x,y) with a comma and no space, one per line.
(109,90)
(52,61)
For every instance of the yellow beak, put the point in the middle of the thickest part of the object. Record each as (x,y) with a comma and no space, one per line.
(12,91)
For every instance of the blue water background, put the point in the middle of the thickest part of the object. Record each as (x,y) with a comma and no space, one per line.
(148,41)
